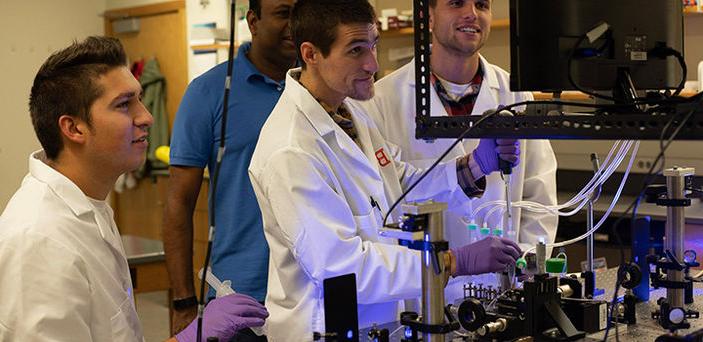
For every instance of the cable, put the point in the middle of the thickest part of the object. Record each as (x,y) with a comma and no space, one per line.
(657,51)
(635,204)
(649,178)
(610,208)
(665,51)
(607,213)
(396,331)
(618,283)
(659,163)
(218,165)
(603,173)
(614,107)
(571,77)
(449,149)
(598,178)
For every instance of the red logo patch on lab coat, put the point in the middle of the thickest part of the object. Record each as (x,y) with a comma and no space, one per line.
(382,158)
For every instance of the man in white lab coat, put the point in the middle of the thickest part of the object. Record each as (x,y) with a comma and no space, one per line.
(324,177)
(63,270)
(464,83)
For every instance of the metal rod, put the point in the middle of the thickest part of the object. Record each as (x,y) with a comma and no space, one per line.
(675,229)
(433,278)
(589,287)
(589,276)
(589,214)
(508,228)
(541,254)
(589,239)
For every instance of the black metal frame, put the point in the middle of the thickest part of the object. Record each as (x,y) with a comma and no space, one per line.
(422,66)
(637,126)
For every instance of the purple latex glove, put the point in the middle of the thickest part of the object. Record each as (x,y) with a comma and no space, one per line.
(225,316)
(491,254)
(488,152)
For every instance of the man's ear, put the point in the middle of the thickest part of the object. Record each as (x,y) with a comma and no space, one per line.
(252,21)
(431,22)
(73,128)
(310,54)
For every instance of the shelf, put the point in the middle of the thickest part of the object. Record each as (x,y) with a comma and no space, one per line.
(505,23)
(577,95)
(405,31)
(409,31)
(207,47)
(692,10)
(565,95)
(500,24)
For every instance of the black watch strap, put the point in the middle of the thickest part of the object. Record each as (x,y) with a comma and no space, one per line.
(185,303)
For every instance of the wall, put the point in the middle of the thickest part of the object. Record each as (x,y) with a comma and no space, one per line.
(114,4)
(38,28)
(197,12)
(216,11)
(693,49)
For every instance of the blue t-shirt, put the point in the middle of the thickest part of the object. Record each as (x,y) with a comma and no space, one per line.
(240,252)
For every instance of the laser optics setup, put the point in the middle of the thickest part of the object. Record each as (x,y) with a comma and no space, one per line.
(581,47)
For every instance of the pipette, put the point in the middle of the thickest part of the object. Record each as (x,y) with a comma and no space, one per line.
(508,215)
(223,288)
(507,278)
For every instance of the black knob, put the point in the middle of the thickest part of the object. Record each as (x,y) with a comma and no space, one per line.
(629,275)
(471,314)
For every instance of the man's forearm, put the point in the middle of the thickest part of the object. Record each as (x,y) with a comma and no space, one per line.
(182,196)
(178,247)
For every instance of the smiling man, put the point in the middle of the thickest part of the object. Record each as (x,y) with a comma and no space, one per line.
(63,270)
(323,176)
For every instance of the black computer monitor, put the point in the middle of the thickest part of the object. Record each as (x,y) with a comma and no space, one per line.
(543,33)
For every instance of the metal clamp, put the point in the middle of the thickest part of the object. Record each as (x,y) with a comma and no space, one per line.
(416,325)
(670,202)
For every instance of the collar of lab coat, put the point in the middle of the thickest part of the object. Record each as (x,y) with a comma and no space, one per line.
(58,183)
(485,96)
(78,202)
(314,112)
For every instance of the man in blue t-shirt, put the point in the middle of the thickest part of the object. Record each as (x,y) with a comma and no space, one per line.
(240,252)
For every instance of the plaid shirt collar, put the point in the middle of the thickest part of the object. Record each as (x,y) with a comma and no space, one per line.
(344,119)
(465,105)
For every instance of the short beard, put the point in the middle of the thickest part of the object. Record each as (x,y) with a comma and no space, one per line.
(363,98)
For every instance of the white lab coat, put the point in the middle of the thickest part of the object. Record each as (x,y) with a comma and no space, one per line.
(534,179)
(63,271)
(314,185)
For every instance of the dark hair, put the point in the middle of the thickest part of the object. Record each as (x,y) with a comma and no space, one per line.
(66,84)
(316,21)
(255,5)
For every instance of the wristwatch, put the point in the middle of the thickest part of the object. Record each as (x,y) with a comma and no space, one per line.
(185,303)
